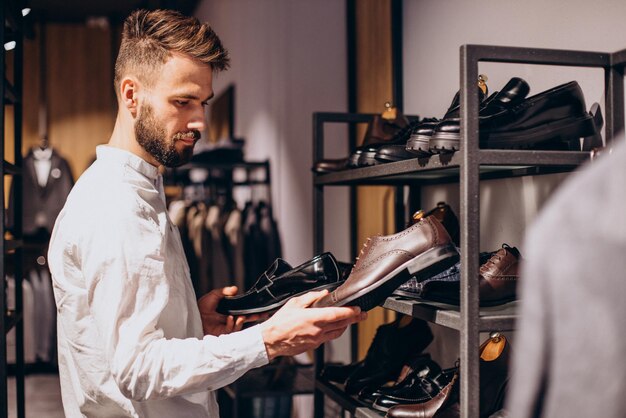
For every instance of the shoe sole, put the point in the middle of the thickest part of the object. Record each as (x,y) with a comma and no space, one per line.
(367,158)
(565,130)
(419,145)
(482,304)
(427,264)
(276,305)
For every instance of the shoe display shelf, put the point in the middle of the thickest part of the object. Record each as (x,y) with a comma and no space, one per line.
(11,247)
(257,384)
(467,167)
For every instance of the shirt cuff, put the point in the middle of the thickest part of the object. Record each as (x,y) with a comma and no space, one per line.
(249,344)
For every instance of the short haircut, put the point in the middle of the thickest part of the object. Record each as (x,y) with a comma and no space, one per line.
(150,37)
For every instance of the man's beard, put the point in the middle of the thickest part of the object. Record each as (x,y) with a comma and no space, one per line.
(152,137)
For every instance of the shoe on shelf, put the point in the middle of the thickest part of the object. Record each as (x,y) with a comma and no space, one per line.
(393,151)
(380,131)
(497,281)
(432,394)
(418,365)
(385,262)
(444,214)
(393,343)
(495,355)
(281,282)
(554,119)
(595,141)
(419,141)
(330,165)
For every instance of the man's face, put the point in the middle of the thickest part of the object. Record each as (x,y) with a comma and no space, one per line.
(171,114)
(153,137)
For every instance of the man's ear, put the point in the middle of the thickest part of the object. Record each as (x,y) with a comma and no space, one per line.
(128,92)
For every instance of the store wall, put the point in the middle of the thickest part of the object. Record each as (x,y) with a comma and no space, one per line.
(288,60)
(433,32)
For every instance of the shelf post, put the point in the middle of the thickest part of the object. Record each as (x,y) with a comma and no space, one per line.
(470,234)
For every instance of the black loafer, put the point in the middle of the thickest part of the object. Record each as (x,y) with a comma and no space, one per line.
(553,119)
(281,282)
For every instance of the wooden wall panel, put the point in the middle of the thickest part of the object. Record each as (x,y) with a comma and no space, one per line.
(375,213)
(79,89)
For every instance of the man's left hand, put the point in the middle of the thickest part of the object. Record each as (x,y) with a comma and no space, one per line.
(214,323)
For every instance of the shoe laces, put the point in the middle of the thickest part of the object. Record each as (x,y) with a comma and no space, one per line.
(362,252)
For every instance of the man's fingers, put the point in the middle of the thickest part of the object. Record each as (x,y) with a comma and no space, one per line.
(228,291)
(307,299)
(336,314)
(239,321)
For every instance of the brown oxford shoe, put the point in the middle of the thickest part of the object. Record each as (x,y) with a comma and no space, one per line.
(497,281)
(385,262)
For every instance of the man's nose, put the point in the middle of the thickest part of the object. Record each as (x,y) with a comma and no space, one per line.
(197,121)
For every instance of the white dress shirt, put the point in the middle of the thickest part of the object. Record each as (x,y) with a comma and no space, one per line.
(129,330)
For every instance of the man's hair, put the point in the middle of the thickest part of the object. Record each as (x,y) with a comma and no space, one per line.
(150,37)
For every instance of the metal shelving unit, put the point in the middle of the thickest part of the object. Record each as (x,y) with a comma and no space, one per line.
(468,167)
(11,248)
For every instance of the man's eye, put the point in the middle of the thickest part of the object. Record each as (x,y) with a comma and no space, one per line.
(182,102)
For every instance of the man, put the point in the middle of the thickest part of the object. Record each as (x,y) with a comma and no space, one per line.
(570,347)
(132,341)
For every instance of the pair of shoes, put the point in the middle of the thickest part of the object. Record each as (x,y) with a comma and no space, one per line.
(395,150)
(419,142)
(281,282)
(382,130)
(443,390)
(553,119)
(493,363)
(385,262)
(497,282)
(386,355)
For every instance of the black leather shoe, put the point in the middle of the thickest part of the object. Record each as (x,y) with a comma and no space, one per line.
(418,388)
(419,141)
(389,151)
(386,355)
(553,119)
(419,365)
(380,131)
(330,165)
(279,284)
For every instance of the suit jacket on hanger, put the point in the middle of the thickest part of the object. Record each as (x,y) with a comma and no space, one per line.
(41,205)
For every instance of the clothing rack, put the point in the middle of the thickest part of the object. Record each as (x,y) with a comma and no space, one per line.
(222,178)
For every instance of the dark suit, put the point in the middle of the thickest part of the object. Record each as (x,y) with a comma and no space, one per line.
(41,205)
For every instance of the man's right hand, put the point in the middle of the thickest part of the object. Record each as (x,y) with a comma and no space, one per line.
(296,328)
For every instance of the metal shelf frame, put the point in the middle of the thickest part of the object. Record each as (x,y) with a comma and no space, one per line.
(468,167)
(11,250)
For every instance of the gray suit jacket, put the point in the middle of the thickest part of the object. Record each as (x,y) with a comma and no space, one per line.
(570,356)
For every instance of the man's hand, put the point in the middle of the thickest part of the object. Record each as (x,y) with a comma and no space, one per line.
(296,328)
(214,323)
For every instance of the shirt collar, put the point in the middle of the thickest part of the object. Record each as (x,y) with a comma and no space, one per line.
(123,157)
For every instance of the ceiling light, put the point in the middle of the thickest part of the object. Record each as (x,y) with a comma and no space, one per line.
(25,11)
(9,45)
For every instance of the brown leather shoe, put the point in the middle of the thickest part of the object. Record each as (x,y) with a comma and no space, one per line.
(444,214)
(496,284)
(446,396)
(386,262)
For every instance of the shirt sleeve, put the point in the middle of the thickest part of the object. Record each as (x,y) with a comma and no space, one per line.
(127,291)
